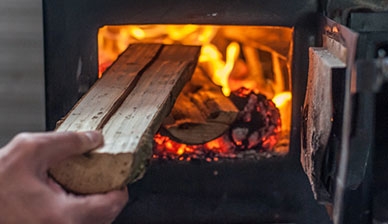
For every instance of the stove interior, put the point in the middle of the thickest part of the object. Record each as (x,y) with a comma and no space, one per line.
(246,66)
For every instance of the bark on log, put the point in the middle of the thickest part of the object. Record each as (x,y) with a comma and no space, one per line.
(128,104)
(202,113)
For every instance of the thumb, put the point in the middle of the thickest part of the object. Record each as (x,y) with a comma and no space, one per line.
(48,149)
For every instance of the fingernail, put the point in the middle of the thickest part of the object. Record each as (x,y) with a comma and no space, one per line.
(94,136)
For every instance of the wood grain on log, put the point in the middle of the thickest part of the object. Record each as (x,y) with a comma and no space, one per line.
(128,104)
(202,113)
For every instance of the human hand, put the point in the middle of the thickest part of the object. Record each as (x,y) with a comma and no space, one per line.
(29,195)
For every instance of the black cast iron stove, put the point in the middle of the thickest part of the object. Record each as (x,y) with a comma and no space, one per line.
(273,190)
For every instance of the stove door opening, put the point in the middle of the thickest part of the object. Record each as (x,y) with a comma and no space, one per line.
(238,102)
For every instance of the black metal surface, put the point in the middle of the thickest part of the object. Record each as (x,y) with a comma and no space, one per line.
(354,193)
(243,191)
(372,35)
(380,165)
(360,182)
(368,22)
(356,182)
(339,10)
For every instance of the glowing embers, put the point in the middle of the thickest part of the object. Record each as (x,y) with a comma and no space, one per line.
(254,134)
(258,124)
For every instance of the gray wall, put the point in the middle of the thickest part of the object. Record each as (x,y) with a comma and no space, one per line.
(21,68)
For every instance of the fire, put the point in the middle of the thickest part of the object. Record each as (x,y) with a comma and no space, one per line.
(257,58)
(166,147)
(166,144)
(220,69)
(178,33)
(283,103)
(282,98)
(138,33)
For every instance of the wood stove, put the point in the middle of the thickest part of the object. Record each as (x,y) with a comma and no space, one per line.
(264,190)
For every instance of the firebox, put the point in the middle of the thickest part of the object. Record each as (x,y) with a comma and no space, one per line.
(289,71)
(250,64)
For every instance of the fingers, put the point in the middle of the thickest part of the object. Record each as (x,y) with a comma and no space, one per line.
(50,148)
(99,208)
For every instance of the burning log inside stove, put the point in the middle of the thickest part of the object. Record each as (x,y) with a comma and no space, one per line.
(258,124)
(201,113)
(256,129)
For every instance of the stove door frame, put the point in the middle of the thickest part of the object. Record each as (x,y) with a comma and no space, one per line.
(71,49)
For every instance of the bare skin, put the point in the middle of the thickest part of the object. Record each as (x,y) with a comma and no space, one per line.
(29,195)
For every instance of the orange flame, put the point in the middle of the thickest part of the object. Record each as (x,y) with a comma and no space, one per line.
(282,98)
(220,69)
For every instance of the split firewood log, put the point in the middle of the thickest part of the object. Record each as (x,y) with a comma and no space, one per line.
(128,105)
(201,113)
